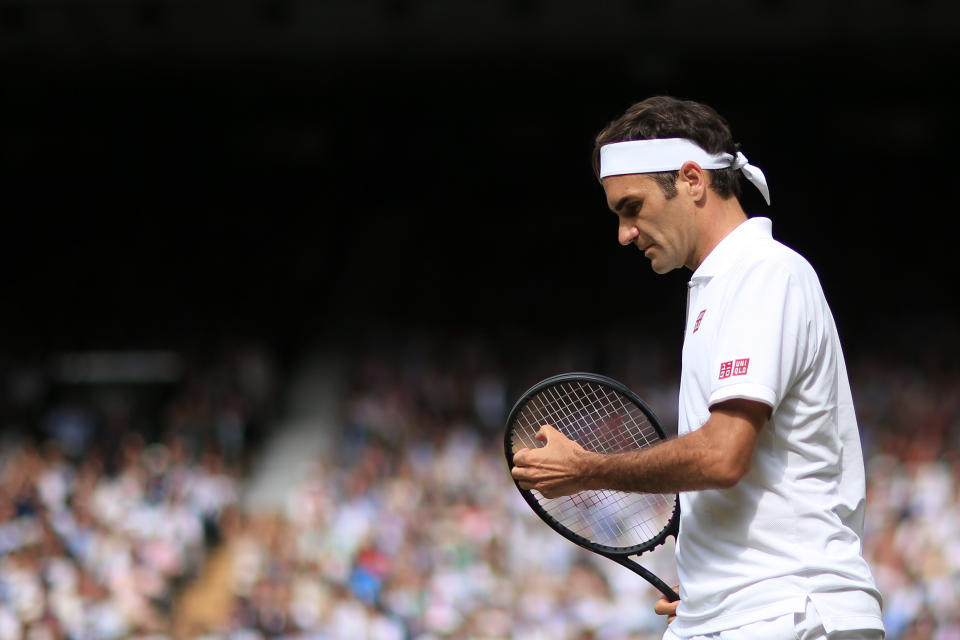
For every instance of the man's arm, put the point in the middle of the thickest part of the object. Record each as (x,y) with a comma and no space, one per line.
(715,456)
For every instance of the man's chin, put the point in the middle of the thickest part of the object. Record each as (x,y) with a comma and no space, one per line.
(661,269)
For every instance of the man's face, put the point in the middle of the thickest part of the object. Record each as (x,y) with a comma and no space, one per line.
(662,229)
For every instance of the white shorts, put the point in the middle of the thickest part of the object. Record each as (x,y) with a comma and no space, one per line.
(791,626)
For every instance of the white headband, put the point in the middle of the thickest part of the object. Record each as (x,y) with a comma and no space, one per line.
(669,154)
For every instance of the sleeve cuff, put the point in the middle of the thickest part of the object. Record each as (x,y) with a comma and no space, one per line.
(744,391)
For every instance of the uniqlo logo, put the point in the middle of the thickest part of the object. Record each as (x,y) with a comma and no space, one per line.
(726,369)
(740,367)
(696,325)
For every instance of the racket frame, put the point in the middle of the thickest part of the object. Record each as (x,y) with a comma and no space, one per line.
(619,555)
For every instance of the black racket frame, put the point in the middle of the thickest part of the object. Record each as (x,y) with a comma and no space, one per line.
(620,555)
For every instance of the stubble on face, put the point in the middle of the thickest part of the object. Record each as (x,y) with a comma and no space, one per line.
(648,220)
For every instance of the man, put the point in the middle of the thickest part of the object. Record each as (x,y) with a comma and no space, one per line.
(768,461)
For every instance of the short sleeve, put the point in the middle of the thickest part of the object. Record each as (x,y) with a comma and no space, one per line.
(760,337)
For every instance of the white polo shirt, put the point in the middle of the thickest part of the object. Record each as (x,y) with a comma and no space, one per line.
(759,328)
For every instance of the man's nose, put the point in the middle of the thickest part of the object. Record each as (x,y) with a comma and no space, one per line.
(628,233)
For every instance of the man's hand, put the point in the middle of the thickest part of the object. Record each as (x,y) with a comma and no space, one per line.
(664,607)
(557,469)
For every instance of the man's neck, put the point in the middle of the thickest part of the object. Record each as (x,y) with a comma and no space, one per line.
(717,220)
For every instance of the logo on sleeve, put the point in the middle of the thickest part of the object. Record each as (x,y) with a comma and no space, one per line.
(696,325)
(734,368)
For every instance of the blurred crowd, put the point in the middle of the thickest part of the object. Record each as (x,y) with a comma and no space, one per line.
(111,493)
(410,528)
(910,421)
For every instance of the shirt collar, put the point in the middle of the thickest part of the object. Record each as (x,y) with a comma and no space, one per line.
(730,248)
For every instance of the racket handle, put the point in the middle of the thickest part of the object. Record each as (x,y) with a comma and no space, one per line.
(649,576)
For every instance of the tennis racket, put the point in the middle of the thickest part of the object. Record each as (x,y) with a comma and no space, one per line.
(603,416)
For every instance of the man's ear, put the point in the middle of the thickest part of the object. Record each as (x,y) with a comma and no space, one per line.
(693,179)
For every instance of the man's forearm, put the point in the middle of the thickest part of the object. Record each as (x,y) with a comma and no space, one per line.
(715,456)
(680,464)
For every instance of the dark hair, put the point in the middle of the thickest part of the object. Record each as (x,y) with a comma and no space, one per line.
(667,117)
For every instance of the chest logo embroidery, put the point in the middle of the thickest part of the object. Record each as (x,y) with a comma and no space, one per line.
(734,368)
(696,325)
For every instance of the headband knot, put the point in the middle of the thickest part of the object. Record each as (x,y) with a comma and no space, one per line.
(669,154)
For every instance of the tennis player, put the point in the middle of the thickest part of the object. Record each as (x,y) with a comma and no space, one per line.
(768,461)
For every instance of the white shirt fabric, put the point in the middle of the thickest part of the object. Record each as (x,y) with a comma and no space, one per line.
(789,626)
(759,328)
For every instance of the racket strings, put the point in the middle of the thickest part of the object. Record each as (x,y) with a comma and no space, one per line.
(602,420)
(613,437)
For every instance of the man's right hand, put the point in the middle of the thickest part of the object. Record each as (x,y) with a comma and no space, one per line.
(666,608)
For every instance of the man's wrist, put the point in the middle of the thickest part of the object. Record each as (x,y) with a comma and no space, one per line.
(590,470)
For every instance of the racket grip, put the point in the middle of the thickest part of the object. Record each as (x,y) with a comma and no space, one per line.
(649,576)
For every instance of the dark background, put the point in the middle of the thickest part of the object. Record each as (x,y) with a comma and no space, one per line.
(185,171)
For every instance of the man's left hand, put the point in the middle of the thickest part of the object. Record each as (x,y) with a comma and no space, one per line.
(559,468)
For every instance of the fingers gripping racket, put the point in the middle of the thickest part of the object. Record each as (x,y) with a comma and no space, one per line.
(603,416)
